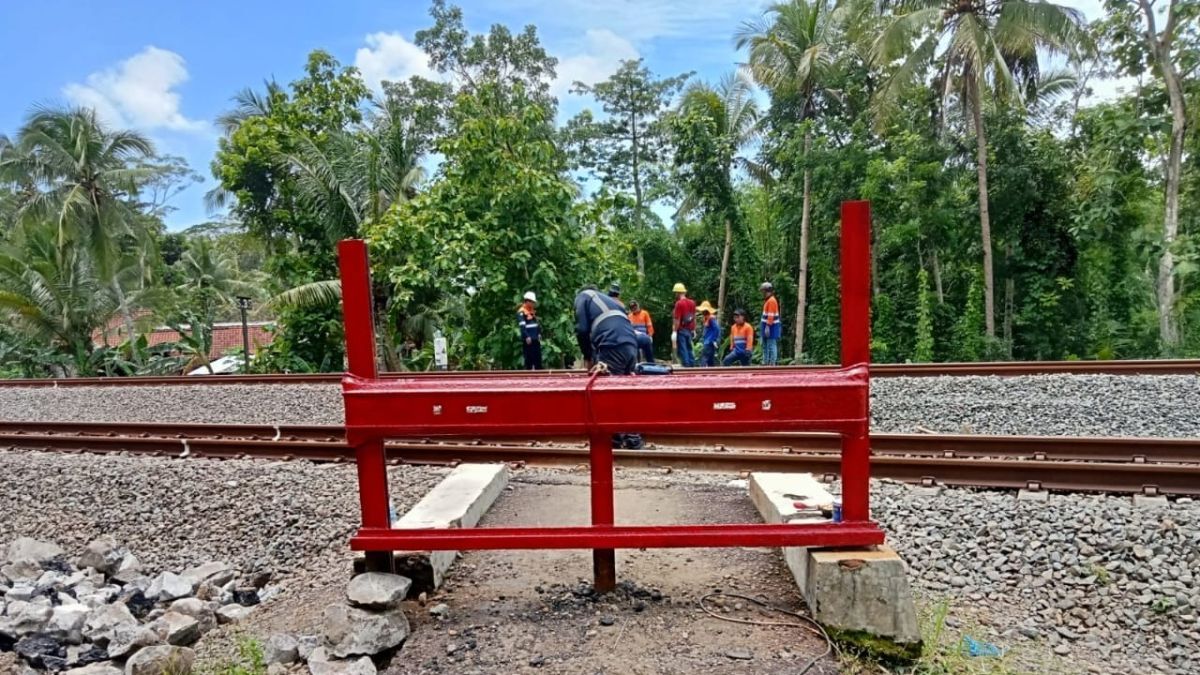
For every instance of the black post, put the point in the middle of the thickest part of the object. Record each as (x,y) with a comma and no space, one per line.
(244,305)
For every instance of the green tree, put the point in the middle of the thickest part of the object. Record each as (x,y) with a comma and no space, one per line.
(86,179)
(980,51)
(792,52)
(711,128)
(626,149)
(209,283)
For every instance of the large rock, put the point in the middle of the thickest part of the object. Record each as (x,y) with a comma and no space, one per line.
(377,590)
(232,613)
(104,620)
(320,663)
(66,623)
(22,591)
(83,655)
(177,629)
(24,618)
(351,631)
(42,651)
(169,586)
(128,569)
(127,639)
(215,573)
(106,668)
(201,611)
(40,552)
(103,555)
(161,660)
(281,648)
(21,571)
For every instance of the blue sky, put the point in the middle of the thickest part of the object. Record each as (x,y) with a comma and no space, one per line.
(169,68)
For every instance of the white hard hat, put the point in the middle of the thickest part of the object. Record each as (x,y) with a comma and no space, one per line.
(529,295)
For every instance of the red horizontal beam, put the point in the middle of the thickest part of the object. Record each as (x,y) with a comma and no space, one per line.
(619,536)
(825,400)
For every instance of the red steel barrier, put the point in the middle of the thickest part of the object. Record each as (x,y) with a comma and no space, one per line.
(727,402)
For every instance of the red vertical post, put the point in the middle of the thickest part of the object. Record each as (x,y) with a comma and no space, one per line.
(604,561)
(856,349)
(359,322)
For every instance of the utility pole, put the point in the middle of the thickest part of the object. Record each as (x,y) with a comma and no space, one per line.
(244,305)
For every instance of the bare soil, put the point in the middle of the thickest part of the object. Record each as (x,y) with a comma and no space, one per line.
(534,611)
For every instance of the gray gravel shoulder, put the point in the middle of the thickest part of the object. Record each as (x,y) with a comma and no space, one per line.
(1071,405)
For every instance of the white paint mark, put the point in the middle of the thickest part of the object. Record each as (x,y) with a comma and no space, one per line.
(766,405)
(725,405)
(476,409)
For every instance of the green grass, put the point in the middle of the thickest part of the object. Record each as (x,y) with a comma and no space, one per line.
(249,661)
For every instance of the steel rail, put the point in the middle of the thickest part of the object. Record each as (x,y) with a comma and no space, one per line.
(994,368)
(1035,448)
(1174,477)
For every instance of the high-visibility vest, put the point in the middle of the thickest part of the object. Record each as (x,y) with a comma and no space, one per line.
(741,338)
(770,319)
(641,322)
(528,324)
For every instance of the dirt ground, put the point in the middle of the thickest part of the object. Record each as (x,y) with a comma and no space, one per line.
(533,611)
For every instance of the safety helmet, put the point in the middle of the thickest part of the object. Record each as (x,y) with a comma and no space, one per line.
(739,312)
(679,288)
(614,289)
(766,286)
(706,307)
(530,296)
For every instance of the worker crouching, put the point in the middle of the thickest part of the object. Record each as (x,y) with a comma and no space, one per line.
(741,340)
(608,342)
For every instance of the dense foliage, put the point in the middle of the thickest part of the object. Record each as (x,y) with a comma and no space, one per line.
(1015,215)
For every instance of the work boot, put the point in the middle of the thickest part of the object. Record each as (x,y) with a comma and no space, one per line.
(633,442)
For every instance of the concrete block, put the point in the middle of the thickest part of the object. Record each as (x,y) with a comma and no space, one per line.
(926,490)
(460,500)
(1148,502)
(1033,496)
(860,595)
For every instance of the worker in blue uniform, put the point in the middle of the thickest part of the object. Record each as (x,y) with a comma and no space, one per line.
(606,336)
(531,332)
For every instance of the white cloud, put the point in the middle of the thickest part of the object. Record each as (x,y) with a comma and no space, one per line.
(138,92)
(596,57)
(640,20)
(390,57)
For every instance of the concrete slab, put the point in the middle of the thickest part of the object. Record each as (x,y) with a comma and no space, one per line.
(1148,502)
(860,595)
(926,490)
(1033,496)
(460,500)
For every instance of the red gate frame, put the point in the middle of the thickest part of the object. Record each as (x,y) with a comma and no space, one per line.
(727,401)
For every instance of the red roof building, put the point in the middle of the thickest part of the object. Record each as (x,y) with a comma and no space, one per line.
(226,337)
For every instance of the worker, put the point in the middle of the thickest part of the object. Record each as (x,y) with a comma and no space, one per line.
(770,326)
(614,292)
(608,341)
(684,326)
(531,332)
(712,335)
(644,327)
(741,340)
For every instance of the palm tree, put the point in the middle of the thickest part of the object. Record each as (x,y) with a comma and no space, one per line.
(83,176)
(210,281)
(982,49)
(792,51)
(731,107)
(53,293)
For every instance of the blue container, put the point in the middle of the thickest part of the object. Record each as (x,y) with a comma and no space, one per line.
(837,510)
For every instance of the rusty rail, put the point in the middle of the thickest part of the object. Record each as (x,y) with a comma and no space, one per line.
(993,368)
(1167,465)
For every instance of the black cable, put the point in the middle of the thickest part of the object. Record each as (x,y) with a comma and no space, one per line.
(809,623)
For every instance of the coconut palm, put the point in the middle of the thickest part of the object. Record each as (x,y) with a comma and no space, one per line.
(82,173)
(54,294)
(983,49)
(209,282)
(735,116)
(792,51)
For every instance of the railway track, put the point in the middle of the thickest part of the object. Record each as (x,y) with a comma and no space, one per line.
(1123,465)
(996,368)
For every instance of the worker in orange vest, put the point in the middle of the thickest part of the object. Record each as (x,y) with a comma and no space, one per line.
(771,328)
(741,340)
(644,328)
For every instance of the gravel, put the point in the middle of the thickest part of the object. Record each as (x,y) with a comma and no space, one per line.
(1070,405)
(279,517)
(1092,577)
